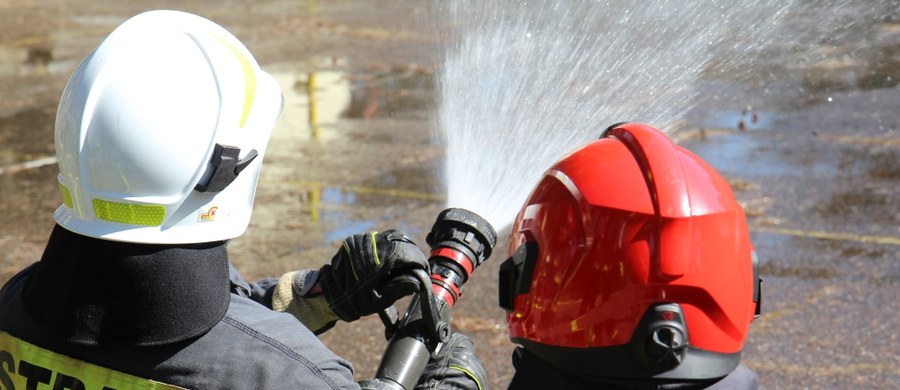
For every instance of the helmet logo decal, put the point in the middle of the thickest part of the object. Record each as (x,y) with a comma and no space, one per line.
(249,78)
(207,215)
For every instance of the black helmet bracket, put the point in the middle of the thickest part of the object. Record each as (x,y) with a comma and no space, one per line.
(224,166)
(515,274)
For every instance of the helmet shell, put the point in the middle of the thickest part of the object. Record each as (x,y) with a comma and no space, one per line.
(138,123)
(620,225)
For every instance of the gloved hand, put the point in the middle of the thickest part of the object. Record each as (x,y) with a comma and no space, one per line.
(370,272)
(454,367)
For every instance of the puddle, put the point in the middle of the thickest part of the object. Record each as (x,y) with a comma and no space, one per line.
(746,119)
(743,155)
(391,93)
(304,118)
(315,102)
(343,210)
(341,123)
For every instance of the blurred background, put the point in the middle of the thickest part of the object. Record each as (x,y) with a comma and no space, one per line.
(396,110)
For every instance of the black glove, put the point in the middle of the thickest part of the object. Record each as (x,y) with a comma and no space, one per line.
(370,272)
(454,367)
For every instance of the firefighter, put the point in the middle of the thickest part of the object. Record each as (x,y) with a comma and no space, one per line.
(160,135)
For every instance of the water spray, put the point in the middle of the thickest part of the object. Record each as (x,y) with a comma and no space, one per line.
(460,241)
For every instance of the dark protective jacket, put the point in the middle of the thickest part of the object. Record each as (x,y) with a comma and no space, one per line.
(534,373)
(173,315)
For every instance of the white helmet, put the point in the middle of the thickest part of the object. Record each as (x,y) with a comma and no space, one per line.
(161,132)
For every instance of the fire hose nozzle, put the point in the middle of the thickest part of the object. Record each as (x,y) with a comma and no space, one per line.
(460,241)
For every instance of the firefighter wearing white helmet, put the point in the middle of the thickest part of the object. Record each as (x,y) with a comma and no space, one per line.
(161,133)
(160,136)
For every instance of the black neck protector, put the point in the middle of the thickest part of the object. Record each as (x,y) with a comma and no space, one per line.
(104,293)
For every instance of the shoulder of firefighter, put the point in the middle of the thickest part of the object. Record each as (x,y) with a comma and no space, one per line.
(26,366)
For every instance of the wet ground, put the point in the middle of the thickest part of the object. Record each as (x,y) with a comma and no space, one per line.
(817,169)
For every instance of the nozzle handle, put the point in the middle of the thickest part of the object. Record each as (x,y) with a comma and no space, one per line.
(460,241)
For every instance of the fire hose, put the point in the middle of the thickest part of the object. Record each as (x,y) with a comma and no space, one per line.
(460,241)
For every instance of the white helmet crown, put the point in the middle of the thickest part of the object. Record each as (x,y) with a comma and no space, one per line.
(161,133)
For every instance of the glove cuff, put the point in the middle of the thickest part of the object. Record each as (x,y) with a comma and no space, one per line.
(289,297)
(338,298)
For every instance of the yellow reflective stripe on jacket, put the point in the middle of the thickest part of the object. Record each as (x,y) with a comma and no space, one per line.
(26,366)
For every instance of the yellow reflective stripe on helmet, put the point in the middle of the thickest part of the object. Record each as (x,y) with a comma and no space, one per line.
(24,365)
(130,213)
(249,78)
(67,196)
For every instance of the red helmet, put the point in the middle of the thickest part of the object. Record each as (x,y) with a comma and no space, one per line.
(632,259)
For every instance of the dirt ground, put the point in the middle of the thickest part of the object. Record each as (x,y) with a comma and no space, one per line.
(818,175)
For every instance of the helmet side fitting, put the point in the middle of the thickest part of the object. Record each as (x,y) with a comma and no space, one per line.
(628,240)
(161,131)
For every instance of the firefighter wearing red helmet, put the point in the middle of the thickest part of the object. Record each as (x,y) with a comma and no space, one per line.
(630,266)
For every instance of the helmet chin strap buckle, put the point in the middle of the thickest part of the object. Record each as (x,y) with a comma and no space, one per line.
(224,167)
